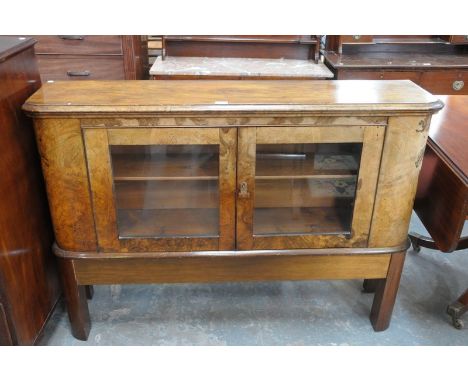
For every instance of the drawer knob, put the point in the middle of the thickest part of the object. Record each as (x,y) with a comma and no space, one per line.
(71,37)
(84,73)
(356,36)
(458,85)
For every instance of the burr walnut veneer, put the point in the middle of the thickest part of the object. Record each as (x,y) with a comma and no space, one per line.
(189,181)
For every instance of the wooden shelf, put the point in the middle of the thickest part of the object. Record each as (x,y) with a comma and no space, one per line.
(296,167)
(293,221)
(134,167)
(154,194)
(180,222)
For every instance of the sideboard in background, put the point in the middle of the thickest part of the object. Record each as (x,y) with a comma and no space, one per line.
(86,57)
(240,57)
(438,63)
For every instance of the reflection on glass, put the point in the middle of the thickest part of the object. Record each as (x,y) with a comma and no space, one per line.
(305,188)
(166,190)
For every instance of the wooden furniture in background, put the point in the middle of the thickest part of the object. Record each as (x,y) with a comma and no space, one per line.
(88,57)
(439,64)
(189,181)
(29,287)
(442,196)
(154,49)
(240,57)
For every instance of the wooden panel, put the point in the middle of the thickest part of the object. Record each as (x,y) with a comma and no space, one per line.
(238,49)
(246,154)
(135,57)
(405,139)
(78,44)
(310,134)
(234,268)
(60,68)
(64,167)
(164,136)
(445,81)
(227,187)
(414,76)
(256,120)
(101,182)
(367,182)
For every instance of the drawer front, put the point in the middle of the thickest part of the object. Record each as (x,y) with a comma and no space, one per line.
(459,39)
(80,68)
(78,44)
(379,75)
(445,81)
(356,39)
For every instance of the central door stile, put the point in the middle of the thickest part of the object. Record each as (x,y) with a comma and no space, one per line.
(227,188)
(247,137)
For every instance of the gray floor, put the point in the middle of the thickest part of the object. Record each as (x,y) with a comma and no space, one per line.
(276,313)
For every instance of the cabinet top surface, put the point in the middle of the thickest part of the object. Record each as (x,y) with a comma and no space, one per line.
(225,96)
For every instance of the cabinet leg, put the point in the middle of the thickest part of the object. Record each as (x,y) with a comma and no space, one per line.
(369,285)
(89,292)
(75,296)
(386,292)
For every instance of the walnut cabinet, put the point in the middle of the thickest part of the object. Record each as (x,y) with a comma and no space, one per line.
(182,181)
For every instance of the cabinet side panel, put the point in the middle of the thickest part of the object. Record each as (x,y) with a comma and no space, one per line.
(64,166)
(402,155)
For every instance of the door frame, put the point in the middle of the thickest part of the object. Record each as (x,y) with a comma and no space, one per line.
(371,137)
(97,146)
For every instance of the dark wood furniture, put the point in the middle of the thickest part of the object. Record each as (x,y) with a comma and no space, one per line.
(240,57)
(207,181)
(88,57)
(439,64)
(442,196)
(29,287)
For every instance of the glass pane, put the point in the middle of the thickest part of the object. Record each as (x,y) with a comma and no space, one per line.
(166,190)
(305,188)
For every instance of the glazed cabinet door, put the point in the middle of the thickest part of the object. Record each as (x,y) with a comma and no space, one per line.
(306,187)
(163,189)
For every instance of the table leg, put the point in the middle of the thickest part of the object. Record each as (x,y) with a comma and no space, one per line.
(77,304)
(89,292)
(385,293)
(457,309)
(370,285)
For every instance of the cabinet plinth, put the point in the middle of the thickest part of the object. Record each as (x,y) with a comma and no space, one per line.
(182,181)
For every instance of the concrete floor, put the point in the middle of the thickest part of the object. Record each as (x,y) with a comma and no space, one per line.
(276,313)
